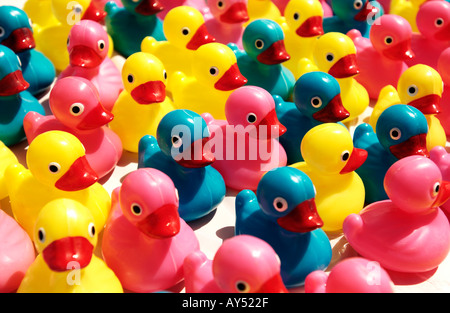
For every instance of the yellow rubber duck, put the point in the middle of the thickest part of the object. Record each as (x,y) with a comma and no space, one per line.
(185,31)
(335,54)
(40,13)
(7,158)
(419,86)
(330,160)
(143,103)
(407,9)
(302,24)
(65,237)
(215,74)
(57,168)
(262,9)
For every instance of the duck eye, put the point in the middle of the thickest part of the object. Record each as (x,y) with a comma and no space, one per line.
(77,9)
(329,57)
(220,4)
(395,133)
(130,78)
(41,235)
(214,71)
(357,4)
(296,16)
(165,74)
(345,155)
(251,118)
(388,40)
(101,44)
(259,44)
(136,209)
(76,109)
(436,188)
(242,286)
(439,22)
(68,41)
(316,102)
(412,90)
(185,31)
(54,167)
(176,141)
(91,230)
(280,204)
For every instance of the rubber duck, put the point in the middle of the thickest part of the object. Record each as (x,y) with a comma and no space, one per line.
(335,54)
(65,237)
(185,30)
(169,5)
(409,232)
(130,24)
(56,168)
(40,13)
(317,100)
(420,86)
(407,9)
(330,160)
(283,213)
(145,241)
(17,34)
(401,131)
(443,69)
(215,75)
(302,25)
(262,9)
(433,36)
(16,253)
(186,158)
(15,100)
(242,264)
(96,10)
(282,4)
(440,156)
(351,275)
(88,47)
(143,102)
(82,114)
(245,144)
(352,14)
(381,59)
(7,158)
(261,60)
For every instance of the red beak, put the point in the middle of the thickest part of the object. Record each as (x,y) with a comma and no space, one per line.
(79,176)
(83,56)
(273,285)
(20,40)
(149,7)
(12,84)
(231,79)
(443,195)
(365,11)
(275,54)
(97,117)
(274,127)
(333,112)
(201,37)
(401,51)
(163,223)
(312,27)
(94,12)
(60,252)
(149,92)
(303,218)
(430,104)
(357,158)
(198,155)
(344,67)
(236,13)
(415,145)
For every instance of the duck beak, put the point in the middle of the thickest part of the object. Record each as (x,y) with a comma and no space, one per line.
(429,104)
(20,40)
(199,154)
(79,176)
(401,51)
(60,253)
(273,285)
(333,112)
(231,79)
(94,12)
(344,67)
(366,11)
(312,27)
(149,92)
(97,117)
(163,223)
(236,13)
(201,37)
(303,218)
(149,7)
(275,54)
(12,84)
(443,195)
(357,158)
(415,145)
(84,56)
(274,128)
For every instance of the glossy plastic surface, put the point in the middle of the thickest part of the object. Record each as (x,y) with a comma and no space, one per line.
(283,213)
(262,9)
(444,71)
(407,9)
(409,232)
(440,156)
(82,114)
(7,158)
(242,264)
(145,241)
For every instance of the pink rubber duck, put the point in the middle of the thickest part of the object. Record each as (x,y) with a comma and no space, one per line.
(77,109)
(170,4)
(16,253)
(433,22)
(408,233)
(246,144)
(444,71)
(352,275)
(381,59)
(88,47)
(145,241)
(242,263)
(440,156)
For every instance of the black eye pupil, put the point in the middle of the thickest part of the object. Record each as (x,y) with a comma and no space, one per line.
(53,168)
(212,71)
(136,209)
(395,133)
(220,4)
(41,235)
(130,78)
(185,31)
(92,230)
(436,189)
(345,156)
(439,21)
(296,16)
(412,90)
(259,43)
(175,139)
(330,57)
(241,286)
(102,45)
(76,109)
(389,40)
(316,101)
(251,118)
(279,205)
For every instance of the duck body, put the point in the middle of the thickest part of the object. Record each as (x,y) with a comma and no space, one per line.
(407,10)
(444,115)
(7,158)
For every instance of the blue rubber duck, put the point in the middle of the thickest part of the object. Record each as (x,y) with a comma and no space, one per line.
(283,213)
(261,60)
(352,14)
(130,24)
(317,99)
(15,100)
(16,33)
(182,152)
(401,131)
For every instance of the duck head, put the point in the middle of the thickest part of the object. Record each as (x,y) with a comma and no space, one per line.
(11,77)
(263,41)
(305,17)
(58,159)
(143,7)
(70,12)
(354,10)
(144,78)
(65,235)
(229,11)
(287,195)
(318,95)
(149,200)
(247,264)
(433,20)
(15,29)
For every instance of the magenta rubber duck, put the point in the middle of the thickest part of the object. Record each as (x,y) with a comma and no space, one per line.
(246,144)
(145,241)
(77,109)
(408,233)
(381,57)
(433,22)
(352,275)
(444,71)
(242,264)
(440,156)
(88,47)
